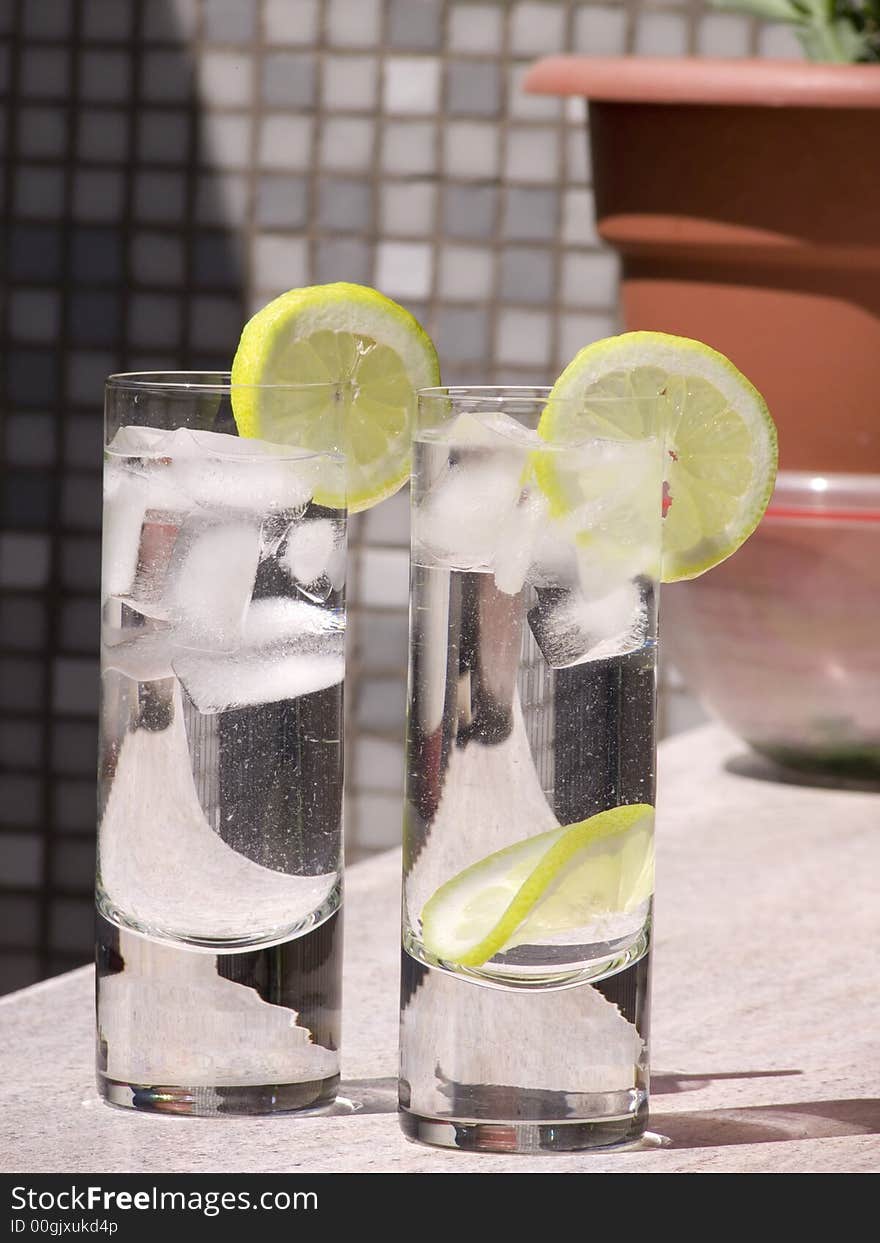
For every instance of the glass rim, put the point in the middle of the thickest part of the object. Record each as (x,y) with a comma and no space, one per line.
(206,382)
(517,392)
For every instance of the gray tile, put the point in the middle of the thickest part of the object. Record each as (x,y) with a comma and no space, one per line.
(282,201)
(163,137)
(600,30)
(24,559)
(75,806)
(353,23)
(290,21)
(22,860)
(415,24)
(523,337)
(462,334)
(229,21)
(407,207)
(343,259)
(96,254)
(21,682)
(32,377)
(80,621)
(661,34)
(349,83)
(536,28)
(22,627)
(86,372)
(72,924)
(74,748)
(378,765)
(286,140)
(288,79)
(97,194)
(377,818)
(166,75)
(409,147)
(30,439)
(381,641)
(473,87)
(153,319)
(215,324)
(279,262)
(19,919)
(26,501)
(42,132)
(39,193)
(44,72)
(101,135)
(34,314)
(172,22)
(83,439)
(81,562)
(74,685)
(107,19)
(105,76)
(73,865)
(47,19)
(347,144)
(34,252)
(159,197)
(94,316)
(217,260)
(382,580)
(18,970)
(381,705)
(81,502)
(526,275)
(476,27)
(345,205)
(224,140)
(531,215)
(21,743)
(222,199)
(469,211)
(20,801)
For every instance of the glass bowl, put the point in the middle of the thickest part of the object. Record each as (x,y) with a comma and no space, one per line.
(781,641)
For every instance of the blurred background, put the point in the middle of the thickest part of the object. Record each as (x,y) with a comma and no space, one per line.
(169,166)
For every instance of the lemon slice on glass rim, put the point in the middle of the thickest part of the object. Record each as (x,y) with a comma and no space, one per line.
(329,334)
(720,441)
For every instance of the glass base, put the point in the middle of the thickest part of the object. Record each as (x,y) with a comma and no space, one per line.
(526,1137)
(208,1102)
(182,1031)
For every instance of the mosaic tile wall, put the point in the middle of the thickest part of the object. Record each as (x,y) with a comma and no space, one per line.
(172,164)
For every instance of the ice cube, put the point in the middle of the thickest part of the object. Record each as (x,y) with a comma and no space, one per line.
(492,429)
(282,620)
(314,556)
(210,582)
(145,656)
(219,471)
(289,648)
(516,542)
(461,519)
(125,504)
(217,683)
(570,629)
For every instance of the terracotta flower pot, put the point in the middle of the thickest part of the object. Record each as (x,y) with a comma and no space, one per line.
(744,199)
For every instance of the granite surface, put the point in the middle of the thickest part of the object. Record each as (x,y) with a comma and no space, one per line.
(765,1010)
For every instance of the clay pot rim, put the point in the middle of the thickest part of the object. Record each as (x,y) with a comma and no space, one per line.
(744,82)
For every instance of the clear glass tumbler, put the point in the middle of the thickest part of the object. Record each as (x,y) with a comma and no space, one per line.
(526,912)
(221,752)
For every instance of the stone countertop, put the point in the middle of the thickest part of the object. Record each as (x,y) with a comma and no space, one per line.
(764,1011)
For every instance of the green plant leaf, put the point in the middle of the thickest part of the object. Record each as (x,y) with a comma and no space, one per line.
(773,10)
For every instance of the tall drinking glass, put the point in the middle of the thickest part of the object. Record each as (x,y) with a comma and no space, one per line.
(220,768)
(526,912)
